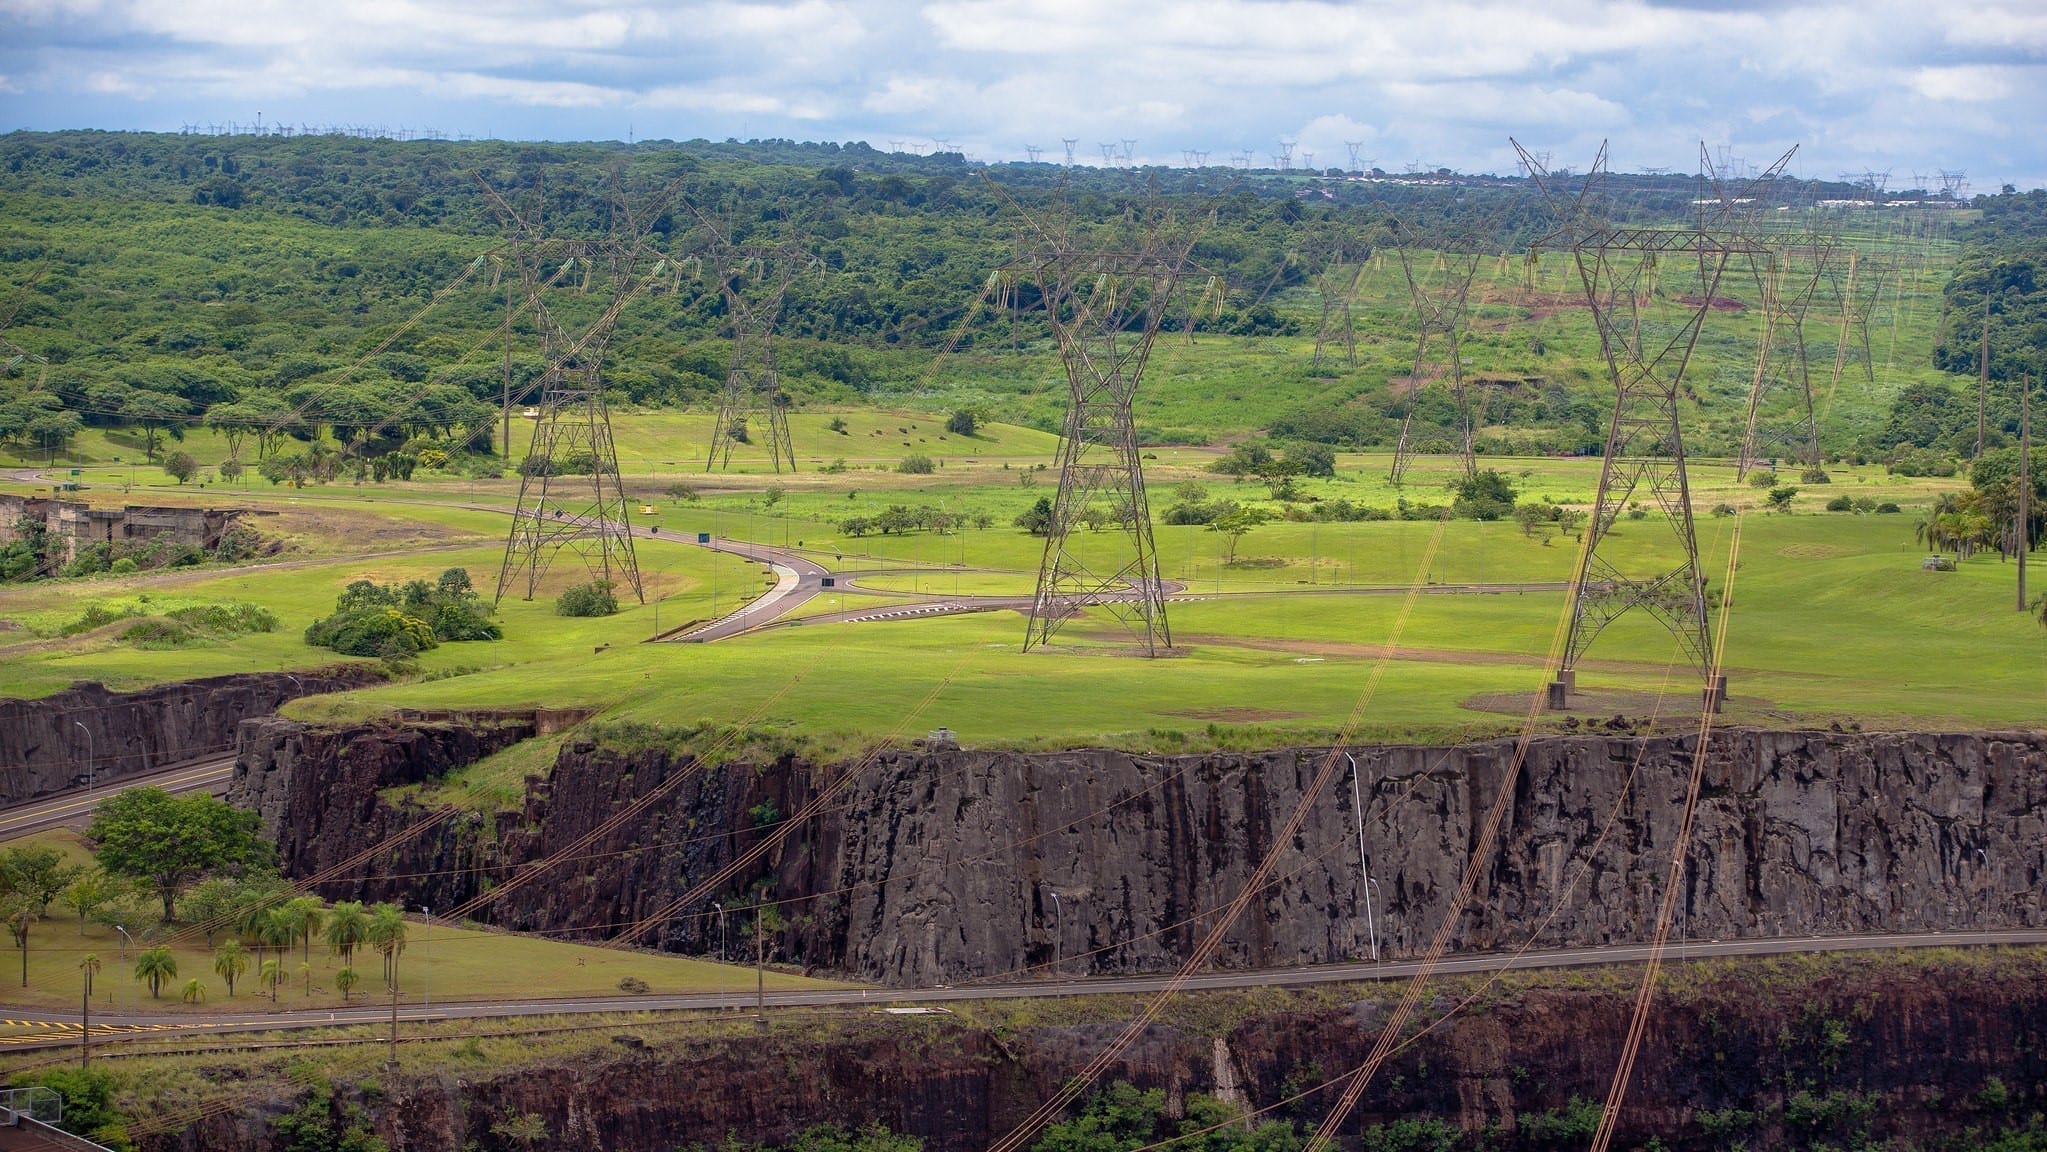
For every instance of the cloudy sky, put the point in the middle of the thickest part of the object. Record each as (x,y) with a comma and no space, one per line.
(1904,85)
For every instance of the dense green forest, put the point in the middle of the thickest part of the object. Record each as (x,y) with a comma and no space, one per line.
(1999,291)
(277,288)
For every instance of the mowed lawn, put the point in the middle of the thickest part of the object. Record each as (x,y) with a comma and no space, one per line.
(443,962)
(1832,619)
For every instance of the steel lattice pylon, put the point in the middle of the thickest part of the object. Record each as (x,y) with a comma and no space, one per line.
(1787,280)
(1441,296)
(1105,310)
(753,387)
(1645,452)
(584,512)
(1338,288)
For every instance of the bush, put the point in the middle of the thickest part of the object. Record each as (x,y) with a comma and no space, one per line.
(122,567)
(1485,495)
(592,599)
(1888,508)
(1762,479)
(1815,476)
(1841,504)
(634,985)
(916,465)
(395,622)
(962,422)
(157,633)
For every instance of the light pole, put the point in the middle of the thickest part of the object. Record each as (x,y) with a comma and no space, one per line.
(1364,871)
(427,956)
(88,754)
(133,1004)
(720,910)
(1058,933)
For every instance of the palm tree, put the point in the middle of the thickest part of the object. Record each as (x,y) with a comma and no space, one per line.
(252,916)
(270,975)
(156,965)
(230,960)
(386,931)
(278,932)
(304,916)
(345,980)
(347,926)
(195,992)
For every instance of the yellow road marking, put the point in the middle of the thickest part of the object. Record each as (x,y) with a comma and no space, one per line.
(76,805)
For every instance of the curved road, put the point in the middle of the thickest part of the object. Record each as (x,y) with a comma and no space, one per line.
(62,1028)
(74,808)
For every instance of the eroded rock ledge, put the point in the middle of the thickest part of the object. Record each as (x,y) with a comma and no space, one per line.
(945,865)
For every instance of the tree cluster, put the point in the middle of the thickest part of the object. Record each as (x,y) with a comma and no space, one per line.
(396,621)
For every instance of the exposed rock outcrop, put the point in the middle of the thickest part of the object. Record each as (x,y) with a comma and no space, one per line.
(948,865)
(44,743)
(1846,1051)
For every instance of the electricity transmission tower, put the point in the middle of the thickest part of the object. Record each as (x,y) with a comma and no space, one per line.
(1787,279)
(753,279)
(1441,294)
(1104,304)
(572,425)
(1647,348)
(1338,289)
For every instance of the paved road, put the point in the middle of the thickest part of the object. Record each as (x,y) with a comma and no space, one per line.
(797,579)
(58,1029)
(75,807)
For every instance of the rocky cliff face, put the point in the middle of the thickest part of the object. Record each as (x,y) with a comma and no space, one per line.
(1805,1053)
(43,749)
(949,865)
(316,788)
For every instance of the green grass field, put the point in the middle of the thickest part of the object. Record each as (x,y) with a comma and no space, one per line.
(1832,617)
(446,962)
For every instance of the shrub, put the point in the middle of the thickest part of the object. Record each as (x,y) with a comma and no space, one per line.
(592,599)
(1815,476)
(122,567)
(916,465)
(634,985)
(157,633)
(1484,495)
(1723,509)
(1888,508)
(1762,479)
(395,622)
(1841,504)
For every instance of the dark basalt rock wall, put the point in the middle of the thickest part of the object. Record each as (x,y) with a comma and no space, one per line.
(1773,1055)
(43,749)
(944,865)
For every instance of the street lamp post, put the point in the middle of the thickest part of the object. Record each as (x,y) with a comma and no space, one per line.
(88,754)
(720,910)
(1058,933)
(1364,871)
(427,957)
(133,1004)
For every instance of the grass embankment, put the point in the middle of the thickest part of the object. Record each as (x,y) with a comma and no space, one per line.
(442,962)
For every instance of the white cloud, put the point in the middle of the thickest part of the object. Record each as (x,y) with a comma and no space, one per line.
(1870,83)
